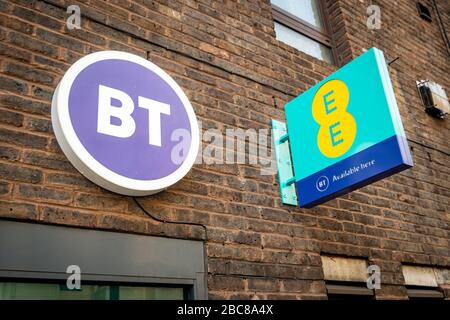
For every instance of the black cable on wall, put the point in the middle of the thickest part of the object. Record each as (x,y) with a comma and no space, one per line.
(442,27)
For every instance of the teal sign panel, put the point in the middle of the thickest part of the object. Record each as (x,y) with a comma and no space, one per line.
(346,131)
(284,163)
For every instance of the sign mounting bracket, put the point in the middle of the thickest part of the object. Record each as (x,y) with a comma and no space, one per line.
(286,177)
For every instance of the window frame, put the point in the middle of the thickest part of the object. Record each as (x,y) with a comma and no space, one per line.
(306,29)
(338,290)
(94,250)
(422,292)
(113,285)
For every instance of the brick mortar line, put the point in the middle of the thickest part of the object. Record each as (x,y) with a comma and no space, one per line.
(15,129)
(39,54)
(267,263)
(25,114)
(178,74)
(315,227)
(231,189)
(328,207)
(29,98)
(200,60)
(175,51)
(429,147)
(29,83)
(8,59)
(272,249)
(37,27)
(224,22)
(39,203)
(353,222)
(441,167)
(97,213)
(184,54)
(340,243)
(417,179)
(235,258)
(319,228)
(22,164)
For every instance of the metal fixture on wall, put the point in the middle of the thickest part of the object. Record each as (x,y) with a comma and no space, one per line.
(442,28)
(434,98)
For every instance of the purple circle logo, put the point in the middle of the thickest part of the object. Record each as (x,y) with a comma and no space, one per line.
(124,123)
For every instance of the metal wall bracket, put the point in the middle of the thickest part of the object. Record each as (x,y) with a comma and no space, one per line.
(286,177)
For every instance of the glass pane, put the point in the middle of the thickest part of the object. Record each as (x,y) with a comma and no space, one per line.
(307,10)
(48,291)
(302,43)
(150,293)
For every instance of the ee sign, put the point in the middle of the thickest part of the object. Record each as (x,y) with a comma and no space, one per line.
(346,131)
(124,123)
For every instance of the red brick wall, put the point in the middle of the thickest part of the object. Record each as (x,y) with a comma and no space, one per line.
(236,74)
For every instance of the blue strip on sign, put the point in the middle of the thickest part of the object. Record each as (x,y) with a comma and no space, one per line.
(370,165)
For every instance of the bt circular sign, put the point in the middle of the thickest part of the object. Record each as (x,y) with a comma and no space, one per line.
(124,123)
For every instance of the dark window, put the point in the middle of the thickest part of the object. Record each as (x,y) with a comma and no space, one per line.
(424,12)
(303,25)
